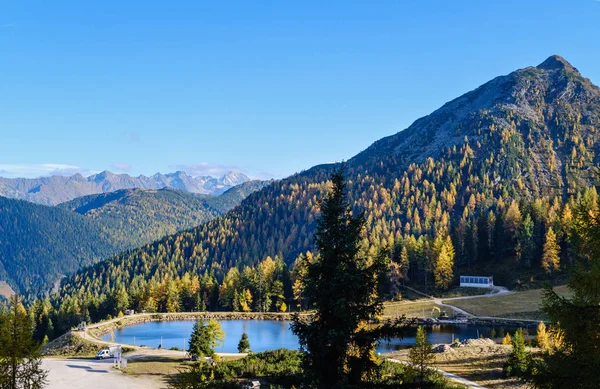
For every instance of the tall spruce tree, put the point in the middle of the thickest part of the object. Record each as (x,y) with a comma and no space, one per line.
(341,286)
(20,361)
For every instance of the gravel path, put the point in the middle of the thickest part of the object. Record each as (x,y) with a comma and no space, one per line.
(92,374)
(500,290)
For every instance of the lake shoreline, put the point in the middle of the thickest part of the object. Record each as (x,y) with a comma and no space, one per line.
(102,328)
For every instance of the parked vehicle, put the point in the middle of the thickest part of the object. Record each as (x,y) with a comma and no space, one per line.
(105,353)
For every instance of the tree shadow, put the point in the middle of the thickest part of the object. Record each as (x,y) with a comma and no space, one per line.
(87,368)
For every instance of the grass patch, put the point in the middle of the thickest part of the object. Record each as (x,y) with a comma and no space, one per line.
(460,292)
(153,367)
(519,305)
(481,364)
(421,310)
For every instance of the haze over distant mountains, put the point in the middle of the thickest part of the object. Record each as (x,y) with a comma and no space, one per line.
(58,189)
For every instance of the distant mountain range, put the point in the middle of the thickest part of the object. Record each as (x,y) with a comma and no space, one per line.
(39,244)
(59,189)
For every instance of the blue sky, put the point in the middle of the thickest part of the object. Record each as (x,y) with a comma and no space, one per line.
(270,88)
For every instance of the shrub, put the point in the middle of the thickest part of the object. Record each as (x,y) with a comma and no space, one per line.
(244,344)
(518,360)
(281,367)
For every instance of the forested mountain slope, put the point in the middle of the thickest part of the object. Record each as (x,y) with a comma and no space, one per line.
(490,176)
(138,216)
(40,244)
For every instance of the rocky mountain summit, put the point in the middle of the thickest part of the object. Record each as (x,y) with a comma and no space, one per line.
(519,149)
(543,120)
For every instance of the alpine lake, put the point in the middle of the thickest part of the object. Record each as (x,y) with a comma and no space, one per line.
(272,334)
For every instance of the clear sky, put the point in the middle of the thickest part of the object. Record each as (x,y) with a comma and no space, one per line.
(267,87)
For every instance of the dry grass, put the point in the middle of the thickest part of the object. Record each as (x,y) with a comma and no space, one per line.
(153,367)
(160,366)
(481,364)
(520,305)
(413,309)
(6,290)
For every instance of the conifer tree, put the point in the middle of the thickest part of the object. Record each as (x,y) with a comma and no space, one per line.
(443,270)
(518,360)
(575,361)
(421,355)
(244,344)
(20,361)
(525,245)
(246,301)
(551,257)
(205,338)
(542,337)
(404,263)
(339,345)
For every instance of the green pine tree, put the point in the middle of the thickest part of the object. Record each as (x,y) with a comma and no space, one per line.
(518,360)
(244,344)
(339,344)
(205,338)
(421,355)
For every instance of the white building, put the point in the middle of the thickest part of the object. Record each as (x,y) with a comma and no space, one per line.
(476,281)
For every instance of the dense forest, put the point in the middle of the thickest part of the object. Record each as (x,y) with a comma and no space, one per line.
(137,216)
(487,183)
(40,244)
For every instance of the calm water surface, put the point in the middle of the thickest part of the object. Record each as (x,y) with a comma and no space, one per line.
(269,334)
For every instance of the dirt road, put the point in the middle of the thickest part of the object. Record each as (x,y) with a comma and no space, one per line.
(499,291)
(92,374)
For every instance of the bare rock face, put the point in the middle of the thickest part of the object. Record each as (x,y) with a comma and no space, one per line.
(443,348)
(526,116)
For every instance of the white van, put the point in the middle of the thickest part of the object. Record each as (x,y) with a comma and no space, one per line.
(104,353)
